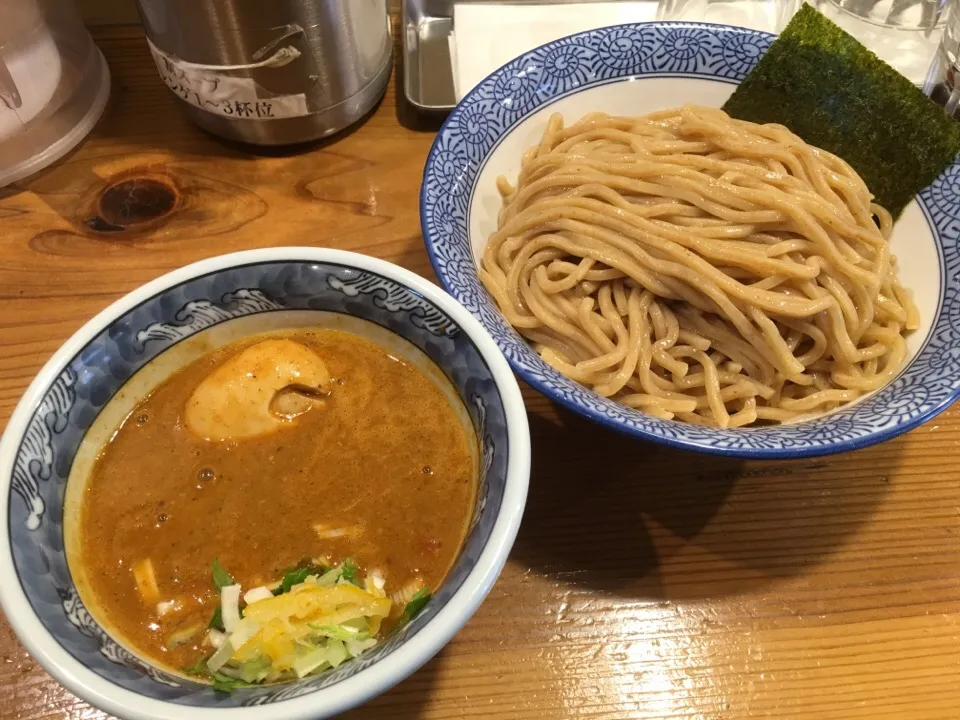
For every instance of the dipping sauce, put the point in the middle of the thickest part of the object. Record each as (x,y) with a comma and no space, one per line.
(305,446)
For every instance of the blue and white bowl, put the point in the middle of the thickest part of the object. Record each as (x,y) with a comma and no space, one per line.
(222,298)
(633,70)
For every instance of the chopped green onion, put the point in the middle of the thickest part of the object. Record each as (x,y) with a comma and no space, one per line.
(416,604)
(297,576)
(349,572)
(224,684)
(221,578)
(227,684)
(216,622)
(199,668)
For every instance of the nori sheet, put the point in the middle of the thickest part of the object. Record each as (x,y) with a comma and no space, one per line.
(825,86)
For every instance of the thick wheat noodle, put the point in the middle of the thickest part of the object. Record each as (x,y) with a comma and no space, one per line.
(699,268)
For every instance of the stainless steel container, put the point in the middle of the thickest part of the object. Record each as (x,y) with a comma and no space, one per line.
(272,72)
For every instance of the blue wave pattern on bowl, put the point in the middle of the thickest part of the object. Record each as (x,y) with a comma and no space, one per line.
(95,374)
(712,52)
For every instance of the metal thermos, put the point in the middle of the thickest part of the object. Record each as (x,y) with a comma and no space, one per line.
(272,72)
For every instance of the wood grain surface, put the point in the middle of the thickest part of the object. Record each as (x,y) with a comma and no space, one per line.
(645,582)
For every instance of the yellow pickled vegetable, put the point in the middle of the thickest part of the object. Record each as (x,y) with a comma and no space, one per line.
(281,621)
(313,620)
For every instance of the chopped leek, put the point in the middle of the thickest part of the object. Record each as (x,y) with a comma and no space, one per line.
(330,577)
(377,579)
(221,657)
(336,652)
(215,637)
(230,606)
(255,670)
(167,606)
(221,579)
(257,594)
(316,619)
(340,632)
(242,633)
(355,647)
(332,653)
(183,635)
(146,580)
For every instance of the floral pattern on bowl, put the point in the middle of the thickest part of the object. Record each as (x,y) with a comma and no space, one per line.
(612,60)
(55,427)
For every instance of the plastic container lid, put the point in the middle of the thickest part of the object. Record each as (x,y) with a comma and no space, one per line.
(54,85)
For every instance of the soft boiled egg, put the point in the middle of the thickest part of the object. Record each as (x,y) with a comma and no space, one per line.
(257,391)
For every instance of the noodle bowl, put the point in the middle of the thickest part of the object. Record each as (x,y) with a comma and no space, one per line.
(700,268)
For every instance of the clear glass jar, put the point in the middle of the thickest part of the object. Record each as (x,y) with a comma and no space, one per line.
(54,84)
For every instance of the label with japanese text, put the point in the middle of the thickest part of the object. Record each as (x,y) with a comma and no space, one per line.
(218,92)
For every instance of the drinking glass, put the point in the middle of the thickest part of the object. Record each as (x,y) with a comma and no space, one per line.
(768,15)
(943,83)
(904,33)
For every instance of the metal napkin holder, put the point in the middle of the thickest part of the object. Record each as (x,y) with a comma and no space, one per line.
(427,66)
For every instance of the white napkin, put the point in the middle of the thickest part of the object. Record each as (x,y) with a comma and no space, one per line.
(486,36)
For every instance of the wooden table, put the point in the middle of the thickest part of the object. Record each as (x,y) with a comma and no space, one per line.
(645,582)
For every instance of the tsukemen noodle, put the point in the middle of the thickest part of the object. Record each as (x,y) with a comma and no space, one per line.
(700,268)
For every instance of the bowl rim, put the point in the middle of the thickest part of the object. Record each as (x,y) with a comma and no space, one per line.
(533,377)
(358,688)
